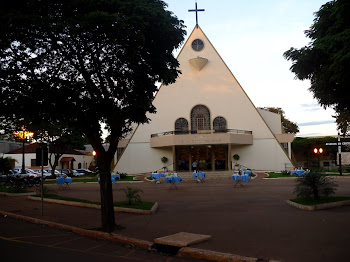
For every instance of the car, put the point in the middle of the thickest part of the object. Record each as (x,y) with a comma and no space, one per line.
(13,173)
(76,173)
(28,172)
(46,173)
(57,173)
(67,172)
(84,171)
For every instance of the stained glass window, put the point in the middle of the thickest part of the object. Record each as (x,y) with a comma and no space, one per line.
(219,123)
(181,124)
(200,118)
(197,45)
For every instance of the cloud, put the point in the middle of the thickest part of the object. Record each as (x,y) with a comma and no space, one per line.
(309,105)
(310,134)
(316,123)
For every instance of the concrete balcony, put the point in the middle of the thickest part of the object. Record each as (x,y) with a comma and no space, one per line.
(202,137)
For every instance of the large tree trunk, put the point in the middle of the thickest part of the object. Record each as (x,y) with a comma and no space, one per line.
(106,193)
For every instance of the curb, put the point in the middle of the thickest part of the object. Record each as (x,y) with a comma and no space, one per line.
(142,244)
(116,209)
(85,232)
(213,255)
(320,206)
(17,194)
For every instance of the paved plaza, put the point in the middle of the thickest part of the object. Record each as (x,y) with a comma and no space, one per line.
(252,221)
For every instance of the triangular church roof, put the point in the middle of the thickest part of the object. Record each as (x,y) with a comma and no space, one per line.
(207,81)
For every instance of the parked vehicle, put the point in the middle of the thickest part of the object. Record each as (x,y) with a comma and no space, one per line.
(49,171)
(28,172)
(13,173)
(15,182)
(76,173)
(84,171)
(45,173)
(67,172)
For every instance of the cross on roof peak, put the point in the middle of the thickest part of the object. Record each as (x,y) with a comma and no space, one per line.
(196,10)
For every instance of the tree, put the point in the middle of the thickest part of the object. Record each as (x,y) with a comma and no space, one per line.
(86,64)
(288,126)
(343,121)
(6,164)
(60,138)
(326,60)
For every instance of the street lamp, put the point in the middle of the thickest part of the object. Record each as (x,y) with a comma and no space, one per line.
(23,135)
(318,151)
(94,153)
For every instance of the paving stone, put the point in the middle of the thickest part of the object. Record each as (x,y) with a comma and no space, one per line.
(182,239)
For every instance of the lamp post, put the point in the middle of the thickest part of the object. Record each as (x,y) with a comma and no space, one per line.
(318,151)
(94,158)
(23,135)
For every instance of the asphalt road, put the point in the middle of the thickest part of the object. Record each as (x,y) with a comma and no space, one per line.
(251,221)
(23,241)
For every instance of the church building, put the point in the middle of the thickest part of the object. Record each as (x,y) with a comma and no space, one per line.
(205,116)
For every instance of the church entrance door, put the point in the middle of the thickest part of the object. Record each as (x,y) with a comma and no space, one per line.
(208,158)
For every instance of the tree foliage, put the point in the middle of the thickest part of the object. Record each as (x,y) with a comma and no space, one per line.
(288,126)
(60,139)
(86,64)
(6,164)
(326,60)
(343,121)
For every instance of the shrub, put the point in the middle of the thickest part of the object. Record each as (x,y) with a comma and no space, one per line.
(314,185)
(285,172)
(236,157)
(132,194)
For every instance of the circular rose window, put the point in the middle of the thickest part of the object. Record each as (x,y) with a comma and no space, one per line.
(197,45)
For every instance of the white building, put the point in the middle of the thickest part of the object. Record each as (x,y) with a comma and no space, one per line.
(72,159)
(205,116)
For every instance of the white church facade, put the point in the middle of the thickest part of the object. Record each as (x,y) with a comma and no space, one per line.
(205,116)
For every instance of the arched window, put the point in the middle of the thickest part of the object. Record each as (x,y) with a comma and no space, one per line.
(219,124)
(181,124)
(200,118)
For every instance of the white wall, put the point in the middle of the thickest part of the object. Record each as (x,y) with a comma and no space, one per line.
(273,120)
(85,160)
(140,158)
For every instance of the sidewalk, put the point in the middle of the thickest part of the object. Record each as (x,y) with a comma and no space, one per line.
(252,221)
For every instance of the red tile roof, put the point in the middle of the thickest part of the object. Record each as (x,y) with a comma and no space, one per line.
(31,148)
(67,159)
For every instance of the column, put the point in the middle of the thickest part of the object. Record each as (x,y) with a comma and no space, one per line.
(175,164)
(189,161)
(212,159)
(229,157)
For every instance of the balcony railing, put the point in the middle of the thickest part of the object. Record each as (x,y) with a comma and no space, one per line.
(212,131)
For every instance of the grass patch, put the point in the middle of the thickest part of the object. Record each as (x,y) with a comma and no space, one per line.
(277,175)
(136,205)
(81,179)
(323,200)
(337,174)
(14,190)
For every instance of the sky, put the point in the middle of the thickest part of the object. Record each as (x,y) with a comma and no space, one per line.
(251,37)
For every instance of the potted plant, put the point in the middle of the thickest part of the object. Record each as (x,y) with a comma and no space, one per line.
(236,158)
(164,159)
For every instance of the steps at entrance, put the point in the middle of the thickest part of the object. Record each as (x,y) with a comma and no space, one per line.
(225,174)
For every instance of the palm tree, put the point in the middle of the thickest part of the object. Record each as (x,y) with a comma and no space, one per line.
(315,184)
